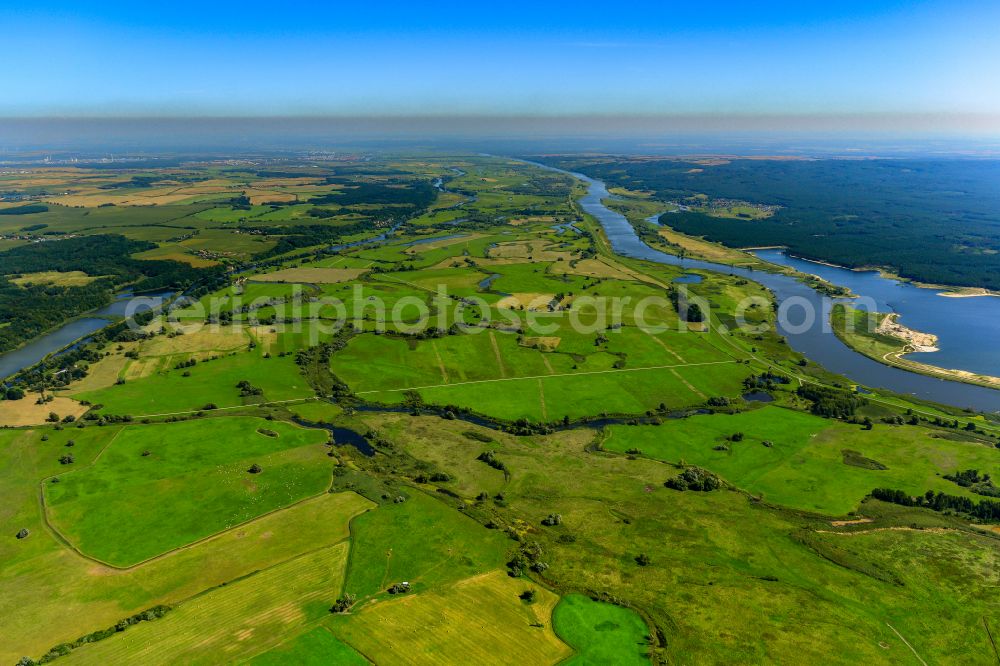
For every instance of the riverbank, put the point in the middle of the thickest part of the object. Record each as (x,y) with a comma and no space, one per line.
(71,332)
(946,290)
(669,240)
(881,338)
(815,341)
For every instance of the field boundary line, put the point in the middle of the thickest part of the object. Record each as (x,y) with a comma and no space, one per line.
(989,634)
(664,345)
(564,374)
(186,546)
(437,355)
(541,398)
(496,350)
(688,384)
(907,644)
(548,366)
(219,409)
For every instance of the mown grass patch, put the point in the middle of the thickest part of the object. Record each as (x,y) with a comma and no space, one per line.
(600,633)
(317,647)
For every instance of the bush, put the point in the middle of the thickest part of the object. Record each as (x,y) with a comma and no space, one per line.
(695,478)
(255,469)
(343,604)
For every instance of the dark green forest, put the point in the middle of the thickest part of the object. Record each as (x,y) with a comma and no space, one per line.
(934,221)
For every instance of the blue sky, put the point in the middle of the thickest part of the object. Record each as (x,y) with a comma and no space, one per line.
(517,58)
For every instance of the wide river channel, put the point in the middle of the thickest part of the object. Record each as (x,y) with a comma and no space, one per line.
(33,352)
(968,327)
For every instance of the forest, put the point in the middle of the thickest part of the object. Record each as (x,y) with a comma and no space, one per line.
(934,221)
(30,309)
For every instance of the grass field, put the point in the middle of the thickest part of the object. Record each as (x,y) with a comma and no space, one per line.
(490,372)
(420,541)
(56,278)
(167,390)
(231,622)
(45,584)
(728,579)
(316,647)
(175,252)
(804,468)
(109,509)
(480,620)
(600,633)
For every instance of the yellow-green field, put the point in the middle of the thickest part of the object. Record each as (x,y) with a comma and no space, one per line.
(479,620)
(231,622)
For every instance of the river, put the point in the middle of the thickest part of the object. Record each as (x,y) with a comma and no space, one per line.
(816,340)
(33,352)
(968,329)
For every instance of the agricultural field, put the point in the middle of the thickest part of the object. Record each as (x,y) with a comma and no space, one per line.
(107,509)
(413,410)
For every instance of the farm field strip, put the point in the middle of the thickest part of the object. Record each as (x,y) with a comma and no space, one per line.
(552,376)
(479,620)
(233,621)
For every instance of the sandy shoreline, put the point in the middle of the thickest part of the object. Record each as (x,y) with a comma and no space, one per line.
(918,341)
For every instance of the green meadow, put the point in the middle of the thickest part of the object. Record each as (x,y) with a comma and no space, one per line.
(804,465)
(110,509)
(493,373)
(420,541)
(600,633)
(207,383)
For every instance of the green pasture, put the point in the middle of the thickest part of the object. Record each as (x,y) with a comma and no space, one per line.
(46,585)
(421,541)
(209,382)
(112,509)
(804,466)
(491,372)
(238,620)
